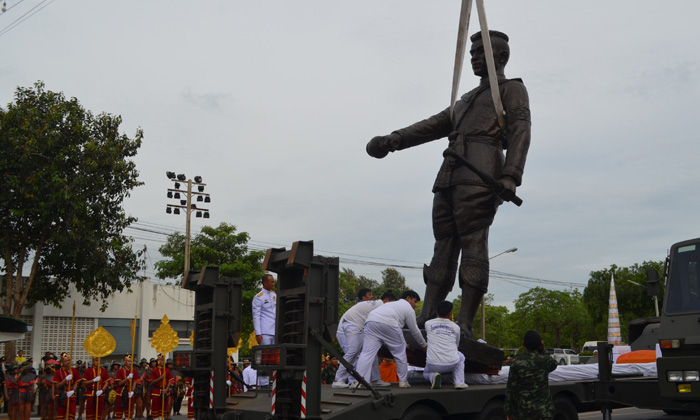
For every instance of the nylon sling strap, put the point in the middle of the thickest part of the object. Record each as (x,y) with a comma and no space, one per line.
(488,51)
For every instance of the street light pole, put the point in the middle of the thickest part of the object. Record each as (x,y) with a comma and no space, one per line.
(483,298)
(656,298)
(188,206)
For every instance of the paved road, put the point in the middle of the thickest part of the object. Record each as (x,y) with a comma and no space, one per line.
(635,414)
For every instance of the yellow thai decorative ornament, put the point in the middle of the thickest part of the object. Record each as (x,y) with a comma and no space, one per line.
(231,350)
(165,338)
(252,341)
(100,343)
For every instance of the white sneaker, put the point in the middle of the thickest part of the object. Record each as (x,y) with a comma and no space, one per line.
(339,385)
(461,386)
(435,381)
(355,385)
(381,383)
(404,385)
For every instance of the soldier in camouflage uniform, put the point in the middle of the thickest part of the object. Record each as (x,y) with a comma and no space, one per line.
(527,393)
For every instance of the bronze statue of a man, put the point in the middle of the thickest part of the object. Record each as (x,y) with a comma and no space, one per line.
(463,205)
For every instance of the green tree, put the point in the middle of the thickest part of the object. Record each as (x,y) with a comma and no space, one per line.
(499,329)
(633,302)
(65,174)
(221,246)
(394,281)
(349,285)
(553,313)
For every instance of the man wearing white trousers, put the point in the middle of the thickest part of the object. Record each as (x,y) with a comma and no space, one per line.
(443,355)
(383,327)
(265,312)
(350,337)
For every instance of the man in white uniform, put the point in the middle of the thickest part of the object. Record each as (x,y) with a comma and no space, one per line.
(350,337)
(250,377)
(383,327)
(443,355)
(265,312)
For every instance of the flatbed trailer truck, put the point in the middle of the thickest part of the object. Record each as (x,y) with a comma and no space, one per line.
(307,319)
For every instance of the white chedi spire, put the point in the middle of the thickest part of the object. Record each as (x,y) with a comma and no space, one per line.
(613,316)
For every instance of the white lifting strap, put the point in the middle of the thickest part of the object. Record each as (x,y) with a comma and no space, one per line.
(488,52)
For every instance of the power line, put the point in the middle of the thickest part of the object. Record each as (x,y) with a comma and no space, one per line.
(31,12)
(11,7)
(362,260)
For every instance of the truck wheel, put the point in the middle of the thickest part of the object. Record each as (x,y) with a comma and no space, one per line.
(421,412)
(562,362)
(564,409)
(493,411)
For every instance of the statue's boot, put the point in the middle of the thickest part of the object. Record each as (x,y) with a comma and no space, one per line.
(438,283)
(473,278)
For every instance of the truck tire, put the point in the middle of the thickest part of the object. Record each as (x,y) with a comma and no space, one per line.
(493,411)
(564,409)
(421,412)
(562,362)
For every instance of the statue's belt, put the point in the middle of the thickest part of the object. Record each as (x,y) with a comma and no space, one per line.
(458,143)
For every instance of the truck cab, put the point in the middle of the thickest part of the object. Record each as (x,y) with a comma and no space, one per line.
(679,331)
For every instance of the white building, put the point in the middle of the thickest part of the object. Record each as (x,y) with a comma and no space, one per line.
(148,301)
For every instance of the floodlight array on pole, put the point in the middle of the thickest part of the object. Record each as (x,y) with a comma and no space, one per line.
(185,197)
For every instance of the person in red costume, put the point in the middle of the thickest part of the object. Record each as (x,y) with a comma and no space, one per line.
(95,380)
(65,383)
(124,383)
(188,393)
(160,378)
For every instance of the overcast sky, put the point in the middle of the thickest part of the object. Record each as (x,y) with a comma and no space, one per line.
(273,102)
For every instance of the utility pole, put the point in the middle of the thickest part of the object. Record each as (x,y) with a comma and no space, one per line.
(187,206)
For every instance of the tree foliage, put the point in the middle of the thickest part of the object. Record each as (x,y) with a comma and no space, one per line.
(350,284)
(394,281)
(633,302)
(499,325)
(558,316)
(226,248)
(65,175)
(221,246)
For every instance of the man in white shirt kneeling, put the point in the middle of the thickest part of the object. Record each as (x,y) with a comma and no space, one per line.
(443,355)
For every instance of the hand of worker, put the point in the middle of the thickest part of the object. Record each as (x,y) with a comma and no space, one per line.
(97,379)
(99,392)
(228,382)
(70,394)
(131,375)
(131,394)
(258,338)
(69,377)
